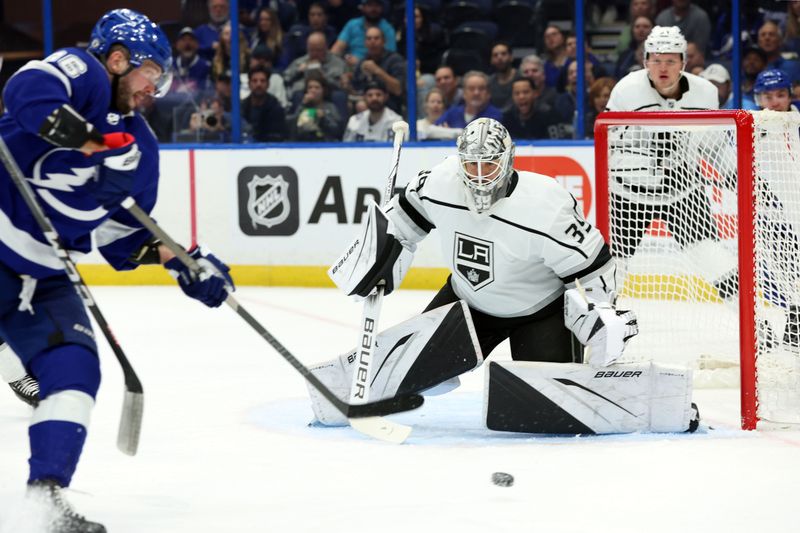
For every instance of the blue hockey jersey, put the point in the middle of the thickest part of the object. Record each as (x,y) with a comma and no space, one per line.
(59,175)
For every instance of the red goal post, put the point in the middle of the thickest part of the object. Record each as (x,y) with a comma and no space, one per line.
(676,145)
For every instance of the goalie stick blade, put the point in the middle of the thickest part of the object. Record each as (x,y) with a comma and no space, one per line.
(381,429)
(398,404)
(130,424)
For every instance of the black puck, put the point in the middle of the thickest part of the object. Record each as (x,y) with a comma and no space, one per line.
(501,479)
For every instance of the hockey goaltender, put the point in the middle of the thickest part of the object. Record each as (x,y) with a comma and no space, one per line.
(525,266)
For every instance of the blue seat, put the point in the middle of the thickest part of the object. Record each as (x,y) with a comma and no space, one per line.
(514,18)
(456,12)
(474,35)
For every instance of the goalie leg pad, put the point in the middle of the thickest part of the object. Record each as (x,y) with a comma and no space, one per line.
(419,354)
(568,398)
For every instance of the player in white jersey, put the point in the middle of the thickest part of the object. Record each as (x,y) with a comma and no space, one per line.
(513,241)
(524,266)
(655,173)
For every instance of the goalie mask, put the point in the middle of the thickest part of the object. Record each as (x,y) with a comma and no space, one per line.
(486,157)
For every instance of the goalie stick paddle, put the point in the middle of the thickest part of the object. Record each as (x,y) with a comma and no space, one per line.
(359,387)
(130,424)
(364,417)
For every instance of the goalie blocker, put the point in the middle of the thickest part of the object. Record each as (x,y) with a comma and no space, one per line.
(568,398)
(429,350)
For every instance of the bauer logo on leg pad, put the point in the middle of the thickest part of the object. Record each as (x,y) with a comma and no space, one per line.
(474,260)
(268,201)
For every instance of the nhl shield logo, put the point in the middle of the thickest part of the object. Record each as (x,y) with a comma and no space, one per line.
(474,260)
(268,200)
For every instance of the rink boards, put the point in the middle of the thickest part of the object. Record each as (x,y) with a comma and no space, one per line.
(279,215)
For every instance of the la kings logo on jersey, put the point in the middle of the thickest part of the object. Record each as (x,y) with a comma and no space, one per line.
(474,260)
(268,202)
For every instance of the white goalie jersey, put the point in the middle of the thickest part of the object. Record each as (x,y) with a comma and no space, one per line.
(513,259)
(650,165)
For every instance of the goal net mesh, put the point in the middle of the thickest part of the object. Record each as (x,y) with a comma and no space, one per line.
(673,230)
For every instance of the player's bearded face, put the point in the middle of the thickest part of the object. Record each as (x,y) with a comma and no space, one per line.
(664,70)
(137,86)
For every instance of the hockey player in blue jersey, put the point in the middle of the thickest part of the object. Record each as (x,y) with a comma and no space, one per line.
(71,124)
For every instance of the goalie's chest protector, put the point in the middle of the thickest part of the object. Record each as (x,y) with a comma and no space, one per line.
(509,261)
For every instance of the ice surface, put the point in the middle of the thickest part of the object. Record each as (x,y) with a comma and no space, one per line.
(226,445)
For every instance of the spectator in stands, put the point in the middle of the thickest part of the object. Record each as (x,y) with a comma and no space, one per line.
(208,34)
(532,67)
(773,91)
(572,54)
(448,83)
(262,57)
(430,41)
(754,60)
(191,73)
(381,64)
(269,34)
(427,130)
(210,123)
(695,58)
(222,57)
(317,119)
(340,12)
(375,122)
(692,20)
(718,75)
(504,74)
(770,41)
(318,21)
(262,114)
(639,31)
(637,8)
(223,90)
(318,58)
(791,39)
(567,101)
(555,45)
(523,120)
(599,93)
(351,41)
(476,103)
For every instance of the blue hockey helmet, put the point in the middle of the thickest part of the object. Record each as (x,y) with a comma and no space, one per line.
(771,79)
(143,39)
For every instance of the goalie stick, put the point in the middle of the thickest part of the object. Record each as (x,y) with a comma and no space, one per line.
(130,424)
(359,387)
(364,418)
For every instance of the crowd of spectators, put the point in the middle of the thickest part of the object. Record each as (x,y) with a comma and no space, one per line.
(328,70)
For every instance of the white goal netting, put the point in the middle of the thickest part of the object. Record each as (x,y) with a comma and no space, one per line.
(674,230)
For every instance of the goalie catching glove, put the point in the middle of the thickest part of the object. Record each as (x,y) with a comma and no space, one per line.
(376,257)
(598,325)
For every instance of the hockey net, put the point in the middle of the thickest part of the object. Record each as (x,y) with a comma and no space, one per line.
(702,213)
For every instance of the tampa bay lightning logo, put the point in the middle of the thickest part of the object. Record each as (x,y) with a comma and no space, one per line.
(57,175)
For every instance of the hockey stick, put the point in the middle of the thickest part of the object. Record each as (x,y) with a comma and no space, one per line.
(364,418)
(130,424)
(359,387)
